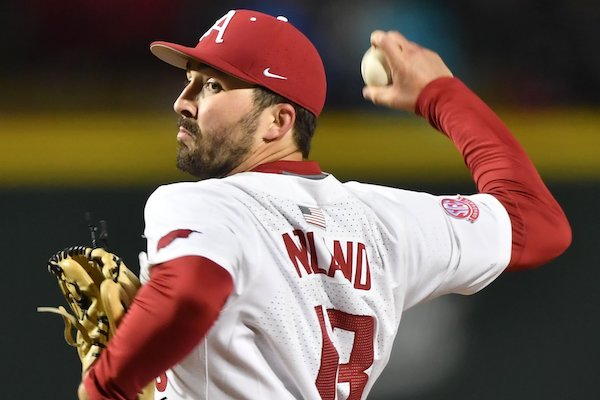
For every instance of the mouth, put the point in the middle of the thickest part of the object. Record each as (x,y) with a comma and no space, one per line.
(184,136)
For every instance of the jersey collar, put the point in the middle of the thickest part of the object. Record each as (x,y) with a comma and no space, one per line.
(306,168)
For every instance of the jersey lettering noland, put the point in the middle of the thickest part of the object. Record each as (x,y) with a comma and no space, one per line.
(328,257)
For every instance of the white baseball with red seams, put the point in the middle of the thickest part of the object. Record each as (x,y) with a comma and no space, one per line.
(320,279)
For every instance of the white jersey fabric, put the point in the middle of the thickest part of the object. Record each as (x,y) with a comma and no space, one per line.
(322,272)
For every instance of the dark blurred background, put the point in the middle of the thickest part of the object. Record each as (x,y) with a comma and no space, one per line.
(86,125)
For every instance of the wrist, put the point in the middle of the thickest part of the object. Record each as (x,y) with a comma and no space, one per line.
(431,92)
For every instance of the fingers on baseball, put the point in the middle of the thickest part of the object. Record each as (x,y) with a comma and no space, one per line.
(391,40)
(379,95)
(394,46)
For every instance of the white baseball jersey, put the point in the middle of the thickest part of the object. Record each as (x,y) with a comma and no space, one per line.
(322,272)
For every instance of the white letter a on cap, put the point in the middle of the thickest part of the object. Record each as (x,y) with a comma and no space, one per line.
(220,27)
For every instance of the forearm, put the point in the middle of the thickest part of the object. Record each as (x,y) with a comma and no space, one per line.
(500,167)
(170,315)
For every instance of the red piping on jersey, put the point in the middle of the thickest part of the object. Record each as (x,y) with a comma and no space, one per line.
(500,167)
(294,167)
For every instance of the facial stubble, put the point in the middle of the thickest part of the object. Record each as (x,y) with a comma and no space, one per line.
(216,153)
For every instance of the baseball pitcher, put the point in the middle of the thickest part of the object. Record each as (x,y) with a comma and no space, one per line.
(268,278)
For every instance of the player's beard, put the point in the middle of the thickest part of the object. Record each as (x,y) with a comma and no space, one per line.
(216,153)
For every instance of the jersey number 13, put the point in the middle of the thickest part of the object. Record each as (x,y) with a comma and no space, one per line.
(353,372)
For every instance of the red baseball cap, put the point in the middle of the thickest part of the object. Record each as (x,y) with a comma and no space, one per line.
(261,49)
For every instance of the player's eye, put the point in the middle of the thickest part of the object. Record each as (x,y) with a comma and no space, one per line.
(211,86)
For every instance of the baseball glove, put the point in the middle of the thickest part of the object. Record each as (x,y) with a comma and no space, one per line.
(98,288)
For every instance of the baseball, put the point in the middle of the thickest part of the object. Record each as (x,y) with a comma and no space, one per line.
(375,69)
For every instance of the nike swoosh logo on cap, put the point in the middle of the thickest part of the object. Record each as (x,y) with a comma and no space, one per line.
(269,74)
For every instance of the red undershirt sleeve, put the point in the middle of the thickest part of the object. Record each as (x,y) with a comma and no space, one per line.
(169,316)
(500,167)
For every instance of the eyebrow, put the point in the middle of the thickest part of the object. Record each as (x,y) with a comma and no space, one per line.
(229,80)
(201,67)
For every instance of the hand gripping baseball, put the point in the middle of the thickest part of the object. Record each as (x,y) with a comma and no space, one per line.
(412,68)
(98,288)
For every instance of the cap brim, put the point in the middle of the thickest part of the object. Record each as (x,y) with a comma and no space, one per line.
(171,53)
(179,56)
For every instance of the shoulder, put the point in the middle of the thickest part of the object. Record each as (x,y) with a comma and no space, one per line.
(370,193)
(208,199)
(174,189)
(186,192)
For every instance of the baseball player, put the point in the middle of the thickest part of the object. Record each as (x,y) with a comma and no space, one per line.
(269,278)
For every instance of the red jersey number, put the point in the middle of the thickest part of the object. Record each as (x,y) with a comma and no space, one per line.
(331,371)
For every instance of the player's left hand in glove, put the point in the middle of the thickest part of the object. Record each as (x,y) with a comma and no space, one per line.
(98,288)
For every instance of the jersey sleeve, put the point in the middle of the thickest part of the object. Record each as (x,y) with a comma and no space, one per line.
(441,244)
(477,231)
(182,221)
(500,167)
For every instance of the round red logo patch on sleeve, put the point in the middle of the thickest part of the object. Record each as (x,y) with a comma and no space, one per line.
(461,208)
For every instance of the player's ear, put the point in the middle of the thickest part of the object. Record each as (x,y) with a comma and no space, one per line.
(283,117)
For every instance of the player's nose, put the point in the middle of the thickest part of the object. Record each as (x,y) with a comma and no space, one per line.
(185,105)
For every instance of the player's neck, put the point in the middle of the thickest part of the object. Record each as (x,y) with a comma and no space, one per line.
(259,158)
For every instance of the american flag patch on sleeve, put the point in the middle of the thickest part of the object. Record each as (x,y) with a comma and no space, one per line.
(313,216)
